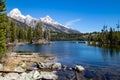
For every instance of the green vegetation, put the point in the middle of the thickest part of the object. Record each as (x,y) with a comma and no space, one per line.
(38,33)
(29,34)
(3,24)
(106,36)
(64,36)
(12,32)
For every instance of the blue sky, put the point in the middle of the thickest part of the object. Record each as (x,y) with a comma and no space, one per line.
(83,15)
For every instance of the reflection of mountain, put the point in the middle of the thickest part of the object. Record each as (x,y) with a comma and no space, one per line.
(47,22)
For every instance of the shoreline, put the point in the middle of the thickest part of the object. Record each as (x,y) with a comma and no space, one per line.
(43,66)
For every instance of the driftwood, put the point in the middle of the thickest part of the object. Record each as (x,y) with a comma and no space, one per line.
(11,72)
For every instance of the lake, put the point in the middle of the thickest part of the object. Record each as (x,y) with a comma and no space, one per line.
(98,61)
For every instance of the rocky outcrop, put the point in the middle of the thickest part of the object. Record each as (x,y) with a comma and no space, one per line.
(42,65)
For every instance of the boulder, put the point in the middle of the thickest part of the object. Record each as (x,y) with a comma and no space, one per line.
(1,67)
(79,68)
(57,66)
(44,65)
(36,75)
(48,75)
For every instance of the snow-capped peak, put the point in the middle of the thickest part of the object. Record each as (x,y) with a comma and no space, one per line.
(28,16)
(16,14)
(15,11)
(48,19)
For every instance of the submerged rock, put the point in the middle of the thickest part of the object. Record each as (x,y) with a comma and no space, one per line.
(64,67)
(79,68)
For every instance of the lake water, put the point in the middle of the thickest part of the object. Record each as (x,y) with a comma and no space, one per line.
(103,61)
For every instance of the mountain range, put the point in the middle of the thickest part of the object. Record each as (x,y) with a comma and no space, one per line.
(47,22)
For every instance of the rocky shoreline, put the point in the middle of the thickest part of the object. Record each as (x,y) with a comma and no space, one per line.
(32,66)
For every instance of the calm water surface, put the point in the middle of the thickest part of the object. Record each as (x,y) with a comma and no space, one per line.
(103,60)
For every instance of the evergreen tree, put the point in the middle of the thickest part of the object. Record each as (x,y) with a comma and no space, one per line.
(3,24)
(29,34)
(38,34)
(12,32)
(47,34)
(21,34)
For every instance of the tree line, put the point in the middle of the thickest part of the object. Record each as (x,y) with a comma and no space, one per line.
(3,24)
(58,36)
(106,36)
(26,34)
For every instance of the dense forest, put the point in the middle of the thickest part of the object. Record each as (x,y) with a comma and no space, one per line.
(3,24)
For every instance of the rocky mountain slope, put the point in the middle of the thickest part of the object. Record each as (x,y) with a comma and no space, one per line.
(47,22)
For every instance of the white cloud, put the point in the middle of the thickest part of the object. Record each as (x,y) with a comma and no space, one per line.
(69,23)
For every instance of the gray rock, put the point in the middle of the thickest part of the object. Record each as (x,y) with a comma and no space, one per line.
(48,75)
(57,66)
(25,76)
(79,68)
(1,67)
(44,65)
(11,76)
(36,75)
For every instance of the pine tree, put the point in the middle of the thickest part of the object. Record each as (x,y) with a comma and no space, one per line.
(3,24)
(12,32)
(47,35)
(29,35)
(38,34)
(21,34)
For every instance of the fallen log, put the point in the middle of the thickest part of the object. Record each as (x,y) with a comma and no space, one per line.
(11,72)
